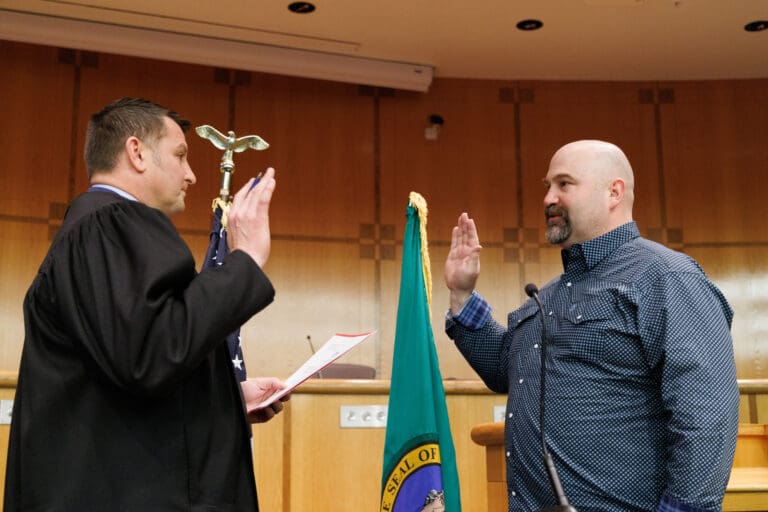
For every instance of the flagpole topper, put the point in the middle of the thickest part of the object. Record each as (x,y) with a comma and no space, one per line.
(230,144)
(417,201)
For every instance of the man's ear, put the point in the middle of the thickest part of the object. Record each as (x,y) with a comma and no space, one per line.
(616,192)
(135,151)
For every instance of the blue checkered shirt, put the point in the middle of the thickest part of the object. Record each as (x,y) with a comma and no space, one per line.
(642,399)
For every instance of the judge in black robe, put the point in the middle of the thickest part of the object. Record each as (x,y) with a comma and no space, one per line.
(126,397)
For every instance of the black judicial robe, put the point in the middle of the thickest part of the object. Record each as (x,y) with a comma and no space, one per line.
(126,398)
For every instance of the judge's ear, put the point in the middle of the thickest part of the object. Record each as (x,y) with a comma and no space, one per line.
(135,151)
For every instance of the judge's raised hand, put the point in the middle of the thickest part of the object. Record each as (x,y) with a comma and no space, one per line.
(248,218)
(462,266)
(259,389)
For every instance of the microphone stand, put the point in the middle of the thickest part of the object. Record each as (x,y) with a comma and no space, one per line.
(562,501)
(312,348)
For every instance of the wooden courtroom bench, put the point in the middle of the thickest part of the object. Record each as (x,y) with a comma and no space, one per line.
(747,488)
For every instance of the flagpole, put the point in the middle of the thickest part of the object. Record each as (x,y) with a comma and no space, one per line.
(217,248)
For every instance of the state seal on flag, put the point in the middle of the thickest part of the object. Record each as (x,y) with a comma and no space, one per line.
(416,482)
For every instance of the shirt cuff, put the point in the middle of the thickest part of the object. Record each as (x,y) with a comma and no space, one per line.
(474,313)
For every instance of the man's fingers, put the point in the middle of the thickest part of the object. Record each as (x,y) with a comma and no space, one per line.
(454,238)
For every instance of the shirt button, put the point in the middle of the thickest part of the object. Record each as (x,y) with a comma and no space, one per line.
(513,493)
(550,313)
(510,415)
(520,381)
(535,345)
(508,454)
(568,284)
(578,317)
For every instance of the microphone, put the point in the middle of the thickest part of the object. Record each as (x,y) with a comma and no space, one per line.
(557,488)
(312,348)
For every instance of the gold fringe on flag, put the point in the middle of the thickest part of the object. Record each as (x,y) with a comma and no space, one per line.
(224,205)
(417,201)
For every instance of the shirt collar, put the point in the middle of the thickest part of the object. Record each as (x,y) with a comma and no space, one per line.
(110,188)
(592,252)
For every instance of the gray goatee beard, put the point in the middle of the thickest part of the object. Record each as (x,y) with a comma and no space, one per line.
(557,234)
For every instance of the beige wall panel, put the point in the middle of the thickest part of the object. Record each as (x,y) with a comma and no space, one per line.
(548,267)
(321,288)
(198,243)
(715,154)
(471,167)
(36,128)
(741,273)
(190,90)
(22,248)
(388,302)
(563,112)
(321,137)
(390,297)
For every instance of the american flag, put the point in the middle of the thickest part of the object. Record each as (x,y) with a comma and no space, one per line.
(214,257)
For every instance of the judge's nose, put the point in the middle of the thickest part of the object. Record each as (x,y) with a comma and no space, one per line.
(189,176)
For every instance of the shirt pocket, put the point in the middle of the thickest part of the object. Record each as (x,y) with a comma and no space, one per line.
(600,327)
(584,328)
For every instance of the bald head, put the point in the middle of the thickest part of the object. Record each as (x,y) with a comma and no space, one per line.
(590,191)
(604,161)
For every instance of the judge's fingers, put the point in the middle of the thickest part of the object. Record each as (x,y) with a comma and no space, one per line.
(242,193)
(267,413)
(270,384)
(264,197)
(252,192)
(261,416)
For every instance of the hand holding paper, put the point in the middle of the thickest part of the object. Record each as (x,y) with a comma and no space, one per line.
(337,346)
(258,390)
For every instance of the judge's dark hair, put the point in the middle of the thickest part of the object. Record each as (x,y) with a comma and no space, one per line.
(127,117)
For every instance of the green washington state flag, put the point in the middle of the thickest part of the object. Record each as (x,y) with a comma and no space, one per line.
(419,470)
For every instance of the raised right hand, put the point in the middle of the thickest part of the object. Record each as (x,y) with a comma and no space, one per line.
(248,219)
(462,266)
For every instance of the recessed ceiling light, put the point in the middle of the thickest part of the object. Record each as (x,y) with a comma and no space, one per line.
(756,26)
(301,7)
(530,25)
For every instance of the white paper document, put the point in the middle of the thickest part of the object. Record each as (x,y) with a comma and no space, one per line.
(334,348)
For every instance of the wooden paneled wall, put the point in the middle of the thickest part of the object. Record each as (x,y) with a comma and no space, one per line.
(347,157)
